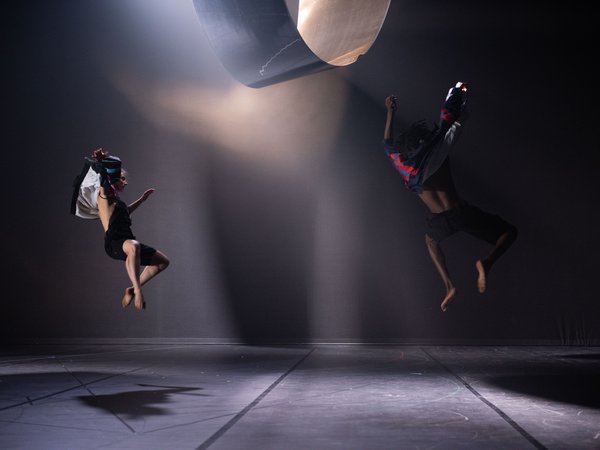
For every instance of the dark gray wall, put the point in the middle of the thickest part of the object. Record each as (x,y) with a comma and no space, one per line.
(281,215)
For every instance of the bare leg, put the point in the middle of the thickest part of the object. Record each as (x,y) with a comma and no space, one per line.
(132,264)
(159,263)
(439,260)
(484,265)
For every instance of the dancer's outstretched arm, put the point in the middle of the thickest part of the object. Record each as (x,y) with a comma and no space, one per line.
(140,200)
(390,104)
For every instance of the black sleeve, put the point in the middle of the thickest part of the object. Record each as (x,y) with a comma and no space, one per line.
(453,106)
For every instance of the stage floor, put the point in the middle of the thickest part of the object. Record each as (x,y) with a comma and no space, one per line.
(298,397)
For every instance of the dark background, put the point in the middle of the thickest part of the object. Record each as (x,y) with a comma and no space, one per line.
(282,217)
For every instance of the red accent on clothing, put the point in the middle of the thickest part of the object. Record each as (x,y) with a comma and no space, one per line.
(446,115)
(400,165)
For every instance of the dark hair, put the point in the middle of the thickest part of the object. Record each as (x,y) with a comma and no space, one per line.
(411,139)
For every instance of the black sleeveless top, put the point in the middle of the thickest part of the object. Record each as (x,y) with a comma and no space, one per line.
(119,225)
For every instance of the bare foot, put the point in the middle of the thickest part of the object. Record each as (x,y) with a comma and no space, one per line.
(127,297)
(449,297)
(482,277)
(139,302)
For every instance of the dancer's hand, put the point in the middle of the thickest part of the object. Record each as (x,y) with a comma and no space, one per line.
(99,154)
(147,194)
(390,102)
(464,86)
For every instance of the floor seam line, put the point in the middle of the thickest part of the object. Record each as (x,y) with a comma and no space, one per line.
(44,397)
(221,431)
(537,444)
(83,385)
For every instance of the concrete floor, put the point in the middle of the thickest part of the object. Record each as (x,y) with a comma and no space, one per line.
(298,397)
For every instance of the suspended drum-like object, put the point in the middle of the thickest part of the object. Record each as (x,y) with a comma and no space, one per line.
(263,42)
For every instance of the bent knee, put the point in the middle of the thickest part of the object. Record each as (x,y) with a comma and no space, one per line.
(131,246)
(162,261)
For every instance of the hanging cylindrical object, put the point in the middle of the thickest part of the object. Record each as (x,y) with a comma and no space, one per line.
(263,42)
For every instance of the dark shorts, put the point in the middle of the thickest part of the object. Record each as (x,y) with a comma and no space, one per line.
(470,219)
(114,249)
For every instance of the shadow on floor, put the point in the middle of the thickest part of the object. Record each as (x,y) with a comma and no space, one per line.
(578,389)
(137,404)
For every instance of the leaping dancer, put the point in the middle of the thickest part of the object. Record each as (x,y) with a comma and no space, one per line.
(420,155)
(99,198)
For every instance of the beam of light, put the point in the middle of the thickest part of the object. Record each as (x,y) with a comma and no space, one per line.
(285,131)
(334,294)
(286,125)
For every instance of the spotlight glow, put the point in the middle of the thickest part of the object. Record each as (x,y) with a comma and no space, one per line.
(288,125)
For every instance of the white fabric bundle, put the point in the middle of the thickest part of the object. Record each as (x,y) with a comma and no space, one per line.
(86,206)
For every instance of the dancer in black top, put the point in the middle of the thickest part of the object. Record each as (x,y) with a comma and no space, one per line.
(119,241)
(420,155)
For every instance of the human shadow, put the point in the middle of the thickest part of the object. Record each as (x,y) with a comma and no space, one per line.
(140,403)
(575,388)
